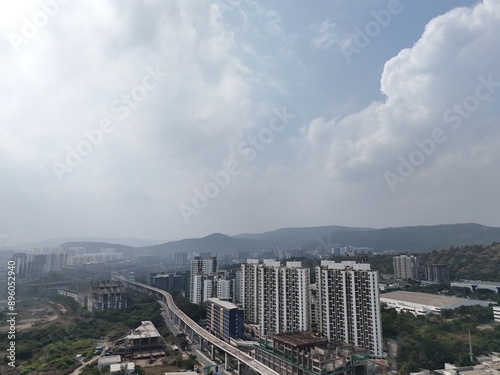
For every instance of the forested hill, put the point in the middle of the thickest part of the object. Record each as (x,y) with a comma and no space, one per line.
(478,262)
(468,262)
(417,238)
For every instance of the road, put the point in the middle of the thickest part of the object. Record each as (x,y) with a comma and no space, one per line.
(205,361)
(79,369)
(240,356)
(170,325)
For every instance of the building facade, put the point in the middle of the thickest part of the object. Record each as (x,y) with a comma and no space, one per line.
(106,295)
(406,267)
(249,290)
(302,353)
(437,272)
(496,313)
(201,270)
(276,297)
(143,342)
(225,320)
(180,260)
(224,289)
(349,304)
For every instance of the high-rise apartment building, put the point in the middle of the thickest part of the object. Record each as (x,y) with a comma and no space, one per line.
(294,289)
(249,290)
(349,304)
(405,267)
(237,287)
(180,260)
(437,272)
(269,298)
(224,289)
(202,273)
(196,289)
(276,297)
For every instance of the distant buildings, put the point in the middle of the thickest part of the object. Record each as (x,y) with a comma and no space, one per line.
(180,260)
(41,261)
(168,281)
(99,296)
(103,257)
(437,272)
(406,267)
(201,269)
(106,295)
(352,251)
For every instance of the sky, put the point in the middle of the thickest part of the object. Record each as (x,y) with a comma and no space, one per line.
(176,119)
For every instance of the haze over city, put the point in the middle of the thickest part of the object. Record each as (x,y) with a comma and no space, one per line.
(167,120)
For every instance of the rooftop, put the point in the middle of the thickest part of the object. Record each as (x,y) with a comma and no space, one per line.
(225,304)
(103,361)
(146,329)
(430,299)
(118,367)
(298,339)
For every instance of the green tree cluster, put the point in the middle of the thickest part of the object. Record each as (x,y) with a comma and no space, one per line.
(431,341)
(194,311)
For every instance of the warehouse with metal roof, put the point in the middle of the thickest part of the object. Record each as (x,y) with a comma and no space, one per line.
(424,303)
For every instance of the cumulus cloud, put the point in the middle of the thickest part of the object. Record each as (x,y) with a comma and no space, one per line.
(455,54)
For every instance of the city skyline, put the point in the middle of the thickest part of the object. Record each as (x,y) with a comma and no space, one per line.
(170,121)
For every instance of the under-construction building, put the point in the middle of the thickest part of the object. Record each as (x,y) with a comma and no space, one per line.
(143,342)
(106,295)
(302,353)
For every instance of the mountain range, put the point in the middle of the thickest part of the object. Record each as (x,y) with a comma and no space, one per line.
(409,238)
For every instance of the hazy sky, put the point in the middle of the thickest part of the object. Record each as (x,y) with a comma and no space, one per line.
(174,119)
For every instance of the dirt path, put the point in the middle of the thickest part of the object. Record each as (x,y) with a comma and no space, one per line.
(28,323)
(62,307)
(79,369)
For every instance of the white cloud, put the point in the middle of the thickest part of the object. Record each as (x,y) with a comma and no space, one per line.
(229,64)
(325,35)
(442,69)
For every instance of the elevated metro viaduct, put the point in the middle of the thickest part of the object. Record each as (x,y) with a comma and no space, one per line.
(245,363)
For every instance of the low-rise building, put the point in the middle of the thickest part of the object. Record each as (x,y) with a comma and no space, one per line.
(108,361)
(143,342)
(496,313)
(424,303)
(126,368)
(489,365)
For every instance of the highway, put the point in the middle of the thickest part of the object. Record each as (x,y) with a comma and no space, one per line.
(224,346)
